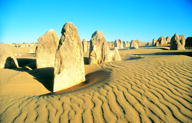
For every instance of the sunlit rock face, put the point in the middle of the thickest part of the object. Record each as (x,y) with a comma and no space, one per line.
(86,46)
(119,44)
(69,65)
(154,42)
(177,42)
(126,44)
(99,49)
(46,49)
(134,44)
(111,45)
(116,56)
(162,41)
(168,40)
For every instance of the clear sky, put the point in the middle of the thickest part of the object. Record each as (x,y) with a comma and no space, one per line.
(26,20)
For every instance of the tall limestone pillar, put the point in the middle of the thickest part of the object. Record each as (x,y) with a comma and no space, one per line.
(69,65)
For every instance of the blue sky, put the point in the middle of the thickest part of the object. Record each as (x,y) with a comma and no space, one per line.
(26,20)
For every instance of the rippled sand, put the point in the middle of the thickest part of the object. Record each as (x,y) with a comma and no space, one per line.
(149,85)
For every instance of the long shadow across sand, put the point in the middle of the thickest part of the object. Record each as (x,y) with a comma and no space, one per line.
(169,53)
(95,79)
(43,75)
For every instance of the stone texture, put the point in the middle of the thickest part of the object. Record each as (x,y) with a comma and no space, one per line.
(46,49)
(119,44)
(188,43)
(177,42)
(168,40)
(69,64)
(134,44)
(154,42)
(8,62)
(111,45)
(116,56)
(7,57)
(127,44)
(86,46)
(124,44)
(161,41)
(98,48)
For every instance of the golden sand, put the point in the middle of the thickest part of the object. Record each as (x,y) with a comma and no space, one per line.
(149,85)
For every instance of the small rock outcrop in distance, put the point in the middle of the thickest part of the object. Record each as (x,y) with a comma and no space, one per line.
(118,43)
(134,44)
(168,40)
(86,46)
(124,44)
(161,41)
(98,48)
(8,62)
(148,44)
(113,55)
(188,43)
(7,57)
(127,44)
(116,56)
(46,49)
(154,42)
(177,42)
(69,64)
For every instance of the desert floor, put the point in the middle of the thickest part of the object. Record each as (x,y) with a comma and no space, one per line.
(148,85)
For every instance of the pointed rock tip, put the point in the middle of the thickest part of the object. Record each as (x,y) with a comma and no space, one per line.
(69,26)
(97,33)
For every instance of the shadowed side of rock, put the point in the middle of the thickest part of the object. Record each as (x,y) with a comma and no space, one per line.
(7,57)
(188,43)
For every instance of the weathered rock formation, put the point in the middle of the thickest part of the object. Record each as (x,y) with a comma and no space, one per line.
(86,46)
(111,45)
(188,43)
(7,57)
(8,62)
(154,42)
(134,44)
(168,40)
(69,64)
(127,44)
(177,42)
(119,44)
(98,49)
(116,56)
(46,49)
(161,41)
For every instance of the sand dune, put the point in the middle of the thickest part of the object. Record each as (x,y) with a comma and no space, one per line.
(154,86)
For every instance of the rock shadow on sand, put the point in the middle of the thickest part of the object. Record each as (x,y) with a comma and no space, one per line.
(169,53)
(95,79)
(134,58)
(23,62)
(44,76)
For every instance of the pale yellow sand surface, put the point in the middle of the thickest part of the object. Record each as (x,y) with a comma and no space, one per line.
(149,85)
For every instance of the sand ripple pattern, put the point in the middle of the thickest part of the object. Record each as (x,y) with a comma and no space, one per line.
(155,89)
